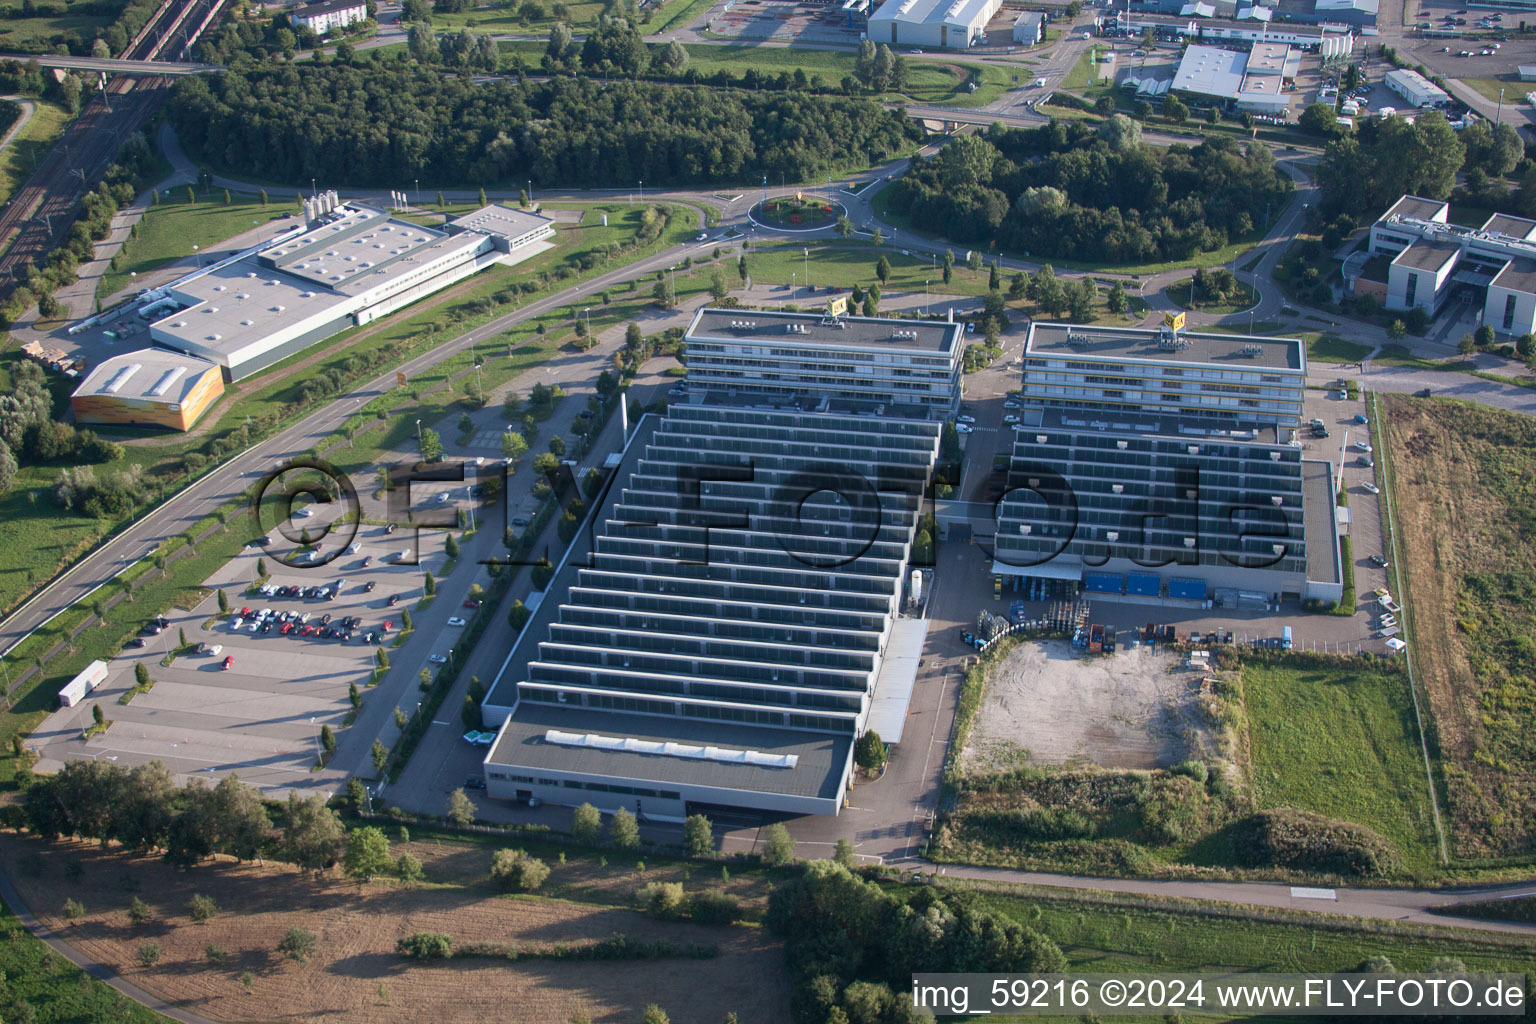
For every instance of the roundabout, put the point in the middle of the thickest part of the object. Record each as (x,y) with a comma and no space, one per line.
(801,212)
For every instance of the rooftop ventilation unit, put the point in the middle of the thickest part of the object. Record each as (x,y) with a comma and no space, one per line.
(167,378)
(1077,339)
(120,378)
(667,748)
(1253,350)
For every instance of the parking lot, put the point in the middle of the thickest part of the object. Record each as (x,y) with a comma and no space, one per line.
(254,700)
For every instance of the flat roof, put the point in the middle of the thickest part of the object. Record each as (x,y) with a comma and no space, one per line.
(148,375)
(816,329)
(325,7)
(1188,425)
(1268,58)
(1029,17)
(934,12)
(1414,206)
(1319,520)
(1519,275)
(817,772)
(496,219)
(898,677)
(1229,351)
(1426,255)
(229,308)
(1508,224)
(1211,71)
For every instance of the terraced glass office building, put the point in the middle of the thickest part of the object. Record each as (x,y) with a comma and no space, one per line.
(717,634)
(1166,464)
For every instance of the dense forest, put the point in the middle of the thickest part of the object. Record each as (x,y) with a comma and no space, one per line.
(1076,191)
(387,125)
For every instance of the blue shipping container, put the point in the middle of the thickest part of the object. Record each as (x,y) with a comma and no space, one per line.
(1103,582)
(1146,584)
(1187,590)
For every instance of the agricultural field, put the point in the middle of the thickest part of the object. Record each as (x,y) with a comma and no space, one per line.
(1466,476)
(355,975)
(1269,739)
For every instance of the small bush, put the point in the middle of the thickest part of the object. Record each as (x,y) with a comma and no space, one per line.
(148,954)
(298,944)
(74,910)
(1194,769)
(714,908)
(662,900)
(516,871)
(202,909)
(214,953)
(1289,838)
(139,912)
(425,946)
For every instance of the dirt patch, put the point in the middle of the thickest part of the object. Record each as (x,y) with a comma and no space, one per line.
(1048,705)
(355,975)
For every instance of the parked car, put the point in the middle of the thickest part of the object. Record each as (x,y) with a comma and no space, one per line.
(455,621)
(472,602)
(438,659)
(303,513)
(520,521)
(1377,560)
(1360,419)
(393,600)
(962,428)
(1371,487)
(229,663)
(1364,446)
(137,641)
(1010,419)
(474,782)
(1366,460)
(962,418)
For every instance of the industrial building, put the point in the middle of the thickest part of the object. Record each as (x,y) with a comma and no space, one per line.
(1430,258)
(150,387)
(1161,464)
(1252,81)
(869,364)
(1029,28)
(945,24)
(1415,89)
(347,265)
(328,15)
(1343,13)
(1330,42)
(729,624)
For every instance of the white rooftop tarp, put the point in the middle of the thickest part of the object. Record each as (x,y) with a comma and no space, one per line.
(898,675)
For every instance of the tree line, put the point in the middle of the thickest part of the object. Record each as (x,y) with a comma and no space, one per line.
(852,946)
(389,123)
(1079,191)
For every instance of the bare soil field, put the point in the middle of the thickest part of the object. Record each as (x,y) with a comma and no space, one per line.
(1131,709)
(1464,482)
(355,975)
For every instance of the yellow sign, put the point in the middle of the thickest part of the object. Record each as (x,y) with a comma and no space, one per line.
(799,197)
(1173,321)
(837,306)
(400,378)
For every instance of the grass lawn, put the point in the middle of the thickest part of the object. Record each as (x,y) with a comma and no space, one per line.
(42,35)
(1341,743)
(1182,294)
(34,140)
(504,20)
(1514,89)
(1098,936)
(170,229)
(1084,80)
(845,264)
(1397,355)
(1330,348)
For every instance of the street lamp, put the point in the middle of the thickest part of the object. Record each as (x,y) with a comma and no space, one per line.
(807,267)
(417,183)
(1500,111)
(642,190)
(312,189)
(199,257)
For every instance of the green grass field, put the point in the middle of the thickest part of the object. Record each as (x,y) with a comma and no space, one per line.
(845,264)
(1517,908)
(504,20)
(1514,89)
(1180,293)
(42,35)
(1330,348)
(1084,79)
(34,140)
(1343,744)
(171,228)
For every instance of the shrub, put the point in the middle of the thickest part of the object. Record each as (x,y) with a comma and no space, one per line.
(1288,838)
(139,912)
(1194,769)
(714,908)
(298,944)
(148,954)
(778,846)
(662,900)
(516,871)
(214,953)
(202,909)
(425,946)
(74,910)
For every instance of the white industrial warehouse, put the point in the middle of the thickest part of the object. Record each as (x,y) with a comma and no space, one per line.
(1252,81)
(951,24)
(349,264)
(1417,90)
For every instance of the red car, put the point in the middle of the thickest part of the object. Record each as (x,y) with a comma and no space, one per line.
(245,613)
(229,663)
(287,628)
(388,625)
(472,602)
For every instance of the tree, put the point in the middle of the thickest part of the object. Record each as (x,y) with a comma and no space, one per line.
(586,824)
(741,272)
(883,269)
(1049,295)
(1080,296)
(98,717)
(1175,110)
(298,944)
(1484,336)
(623,831)
(408,869)
(461,809)
(654,1014)
(327,739)
(139,912)
(1467,345)
(674,58)
(1319,119)
(662,293)
(148,954)
(1120,132)
(367,853)
(1115,301)
(698,835)
(878,238)
(1396,330)
(141,675)
(380,754)
(994,279)
(354,695)
(312,833)
(869,752)
(431,445)
(518,615)
(516,871)
(949,265)
(202,909)
(843,853)
(778,845)
(421,44)
(844,227)
(425,946)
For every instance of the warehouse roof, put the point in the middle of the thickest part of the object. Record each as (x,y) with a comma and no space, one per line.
(500,220)
(934,12)
(1144,343)
(589,741)
(815,329)
(1422,255)
(1211,71)
(148,375)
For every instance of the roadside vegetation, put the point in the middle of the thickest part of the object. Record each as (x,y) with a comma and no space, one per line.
(174,223)
(1465,475)
(32,142)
